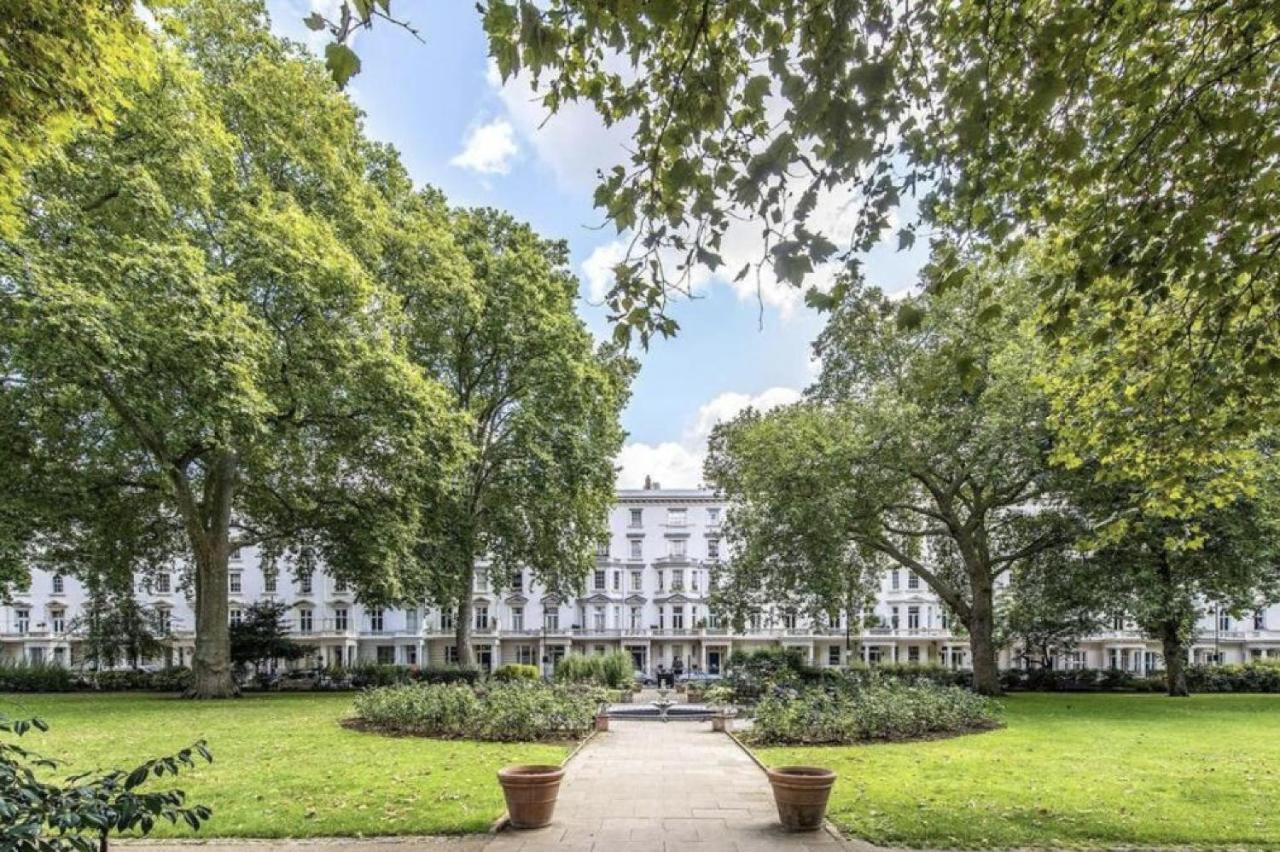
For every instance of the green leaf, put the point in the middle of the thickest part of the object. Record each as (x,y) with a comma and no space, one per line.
(315,21)
(342,62)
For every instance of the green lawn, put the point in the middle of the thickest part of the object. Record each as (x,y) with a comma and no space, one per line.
(1071,770)
(282,764)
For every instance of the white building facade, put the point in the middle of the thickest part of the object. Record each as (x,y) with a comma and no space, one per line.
(648,596)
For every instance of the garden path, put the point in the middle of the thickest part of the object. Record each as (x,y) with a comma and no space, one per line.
(644,785)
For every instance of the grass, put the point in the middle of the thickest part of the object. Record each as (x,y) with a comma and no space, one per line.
(1071,770)
(283,767)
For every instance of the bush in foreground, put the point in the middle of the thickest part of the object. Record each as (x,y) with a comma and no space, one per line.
(888,710)
(516,711)
(613,670)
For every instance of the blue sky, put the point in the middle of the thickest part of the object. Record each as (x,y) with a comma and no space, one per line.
(459,129)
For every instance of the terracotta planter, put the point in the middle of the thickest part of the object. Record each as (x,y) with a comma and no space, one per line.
(801,794)
(693,695)
(531,793)
(602,721)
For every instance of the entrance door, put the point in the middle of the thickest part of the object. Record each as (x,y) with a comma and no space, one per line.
(713,662)
(484,657)
(637,657)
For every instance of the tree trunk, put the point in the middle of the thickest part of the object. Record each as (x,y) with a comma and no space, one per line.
(462,620)
(211,546)
(211,662)
(982,646)
(1175,662)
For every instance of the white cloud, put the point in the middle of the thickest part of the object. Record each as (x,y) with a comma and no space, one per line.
(489,148)
(679,464)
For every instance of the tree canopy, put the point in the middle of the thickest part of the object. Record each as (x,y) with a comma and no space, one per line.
(923,440)
(542,403)
(194,324)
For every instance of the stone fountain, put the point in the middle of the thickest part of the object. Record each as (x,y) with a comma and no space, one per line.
(663,703)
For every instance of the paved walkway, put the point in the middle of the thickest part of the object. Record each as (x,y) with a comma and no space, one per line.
(654,786)
(644,785)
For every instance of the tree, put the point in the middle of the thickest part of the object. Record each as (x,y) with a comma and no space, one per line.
(923,437)
(64,67)
(116,628)
(191,323)
(262,634)
(1165,573)
(1047,608)
(542,404)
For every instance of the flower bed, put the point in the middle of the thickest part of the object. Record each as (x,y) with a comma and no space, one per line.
(889,710)
(516,711)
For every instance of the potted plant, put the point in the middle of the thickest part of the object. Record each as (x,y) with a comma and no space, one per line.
(530,791)
(801,794)
(602,717)
(720,697)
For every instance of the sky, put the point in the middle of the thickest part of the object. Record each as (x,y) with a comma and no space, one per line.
(458,128)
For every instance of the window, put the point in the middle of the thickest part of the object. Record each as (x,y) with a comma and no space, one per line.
(386,655)
(162,583)
(913,581)
(597,581)
(339,585)
(662,618)
(304,620)
(551,619)
(1224,621)
(789,620)
(164,622)
(677,580)
(636,517)
(677,547)
(913,655)
(597,618)
(1259,620)
(755,621)
(713,548)
(340,619)
(676,517)
(833,655)
(236,584)
(660,579)
(617,581)
(635,548)
(517,618)
(269,582)
(59,585)
(913,618)
(713,515)
(450,655)
(410,655)
(1118,623)
(235,616)
(375,620)
(446,620)
(893,617)
(235,554)
(602,549)
(304,584)
(636,581)
(482,618)
(694,582)
(893,579)
(873,655)
(412,622)
(58,621)
(517,581)
(524,655)
(945,618)
(677,618)
(635,618)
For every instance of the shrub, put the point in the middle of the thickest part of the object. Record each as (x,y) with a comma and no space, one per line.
(495,711)
(1259,676)
(616,670)
(580,668)
(516,671)
(448,674)
(35,677)
(884,710)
